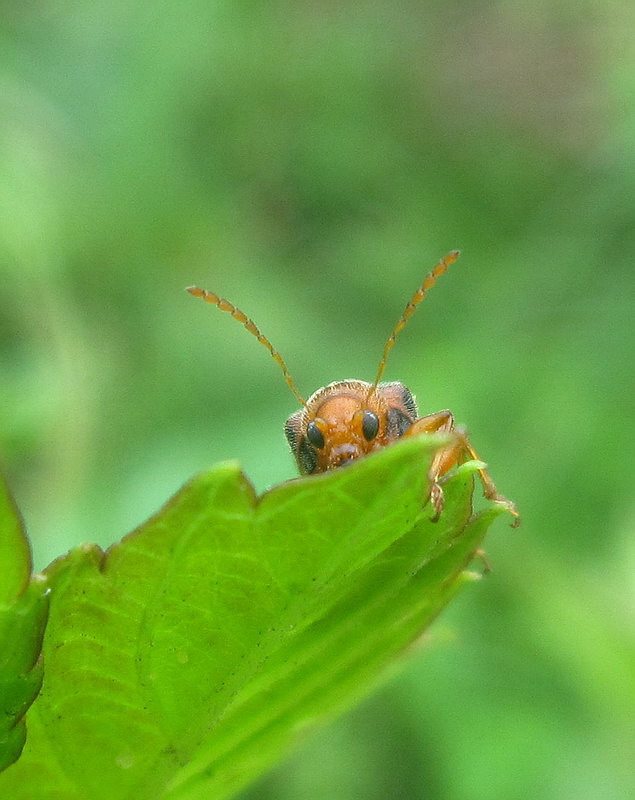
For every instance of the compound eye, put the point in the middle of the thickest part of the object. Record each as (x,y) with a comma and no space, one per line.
(370,425)
(315,435)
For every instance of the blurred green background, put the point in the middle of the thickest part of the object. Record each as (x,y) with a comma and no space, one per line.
(311,162)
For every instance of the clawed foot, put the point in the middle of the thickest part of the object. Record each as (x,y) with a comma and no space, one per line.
(436,498)
(480,554)
(509,506)
(437,501)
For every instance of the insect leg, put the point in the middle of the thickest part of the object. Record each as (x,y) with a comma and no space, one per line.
(489,489)
(444,459)
(451,455)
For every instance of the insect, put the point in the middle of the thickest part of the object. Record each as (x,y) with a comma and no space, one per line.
(348,419)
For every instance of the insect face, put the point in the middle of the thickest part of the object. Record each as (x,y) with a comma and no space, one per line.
(346,420)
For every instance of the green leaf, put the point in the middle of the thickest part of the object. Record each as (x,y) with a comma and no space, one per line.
(15,556)
(23,610)
(186,660)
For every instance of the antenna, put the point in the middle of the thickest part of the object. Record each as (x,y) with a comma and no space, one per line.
(417,297)
(225,305)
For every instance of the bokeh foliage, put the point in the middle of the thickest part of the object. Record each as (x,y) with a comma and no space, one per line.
(311,162)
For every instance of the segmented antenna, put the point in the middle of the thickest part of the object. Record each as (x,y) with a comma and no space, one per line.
(225,305)
(417,297)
